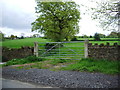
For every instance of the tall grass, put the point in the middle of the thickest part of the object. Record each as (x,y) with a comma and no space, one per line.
(93,65)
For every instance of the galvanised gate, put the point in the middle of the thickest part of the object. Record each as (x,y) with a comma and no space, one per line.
(74,50)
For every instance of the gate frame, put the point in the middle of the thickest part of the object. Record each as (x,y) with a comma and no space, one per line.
(85,48)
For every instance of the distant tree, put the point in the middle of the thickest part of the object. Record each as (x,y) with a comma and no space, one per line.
(15,37)
(36,35)
(82,36)
(22,35)
(90,36)
(57,20)
(97,37)
(113,35)
(12,37)
(1,36)
(85,36)
(101,35)
(74,38)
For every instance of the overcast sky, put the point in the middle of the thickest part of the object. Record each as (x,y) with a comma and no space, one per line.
(17,16)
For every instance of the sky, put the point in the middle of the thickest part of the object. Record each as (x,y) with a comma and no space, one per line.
(17,16)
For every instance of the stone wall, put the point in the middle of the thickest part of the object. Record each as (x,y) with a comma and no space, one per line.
(110,52)
(8,53)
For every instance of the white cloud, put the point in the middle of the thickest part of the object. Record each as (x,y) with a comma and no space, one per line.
(11,31)
(87,25)
(26,6)
(19,14)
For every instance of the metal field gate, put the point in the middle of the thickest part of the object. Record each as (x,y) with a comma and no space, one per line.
(61,50)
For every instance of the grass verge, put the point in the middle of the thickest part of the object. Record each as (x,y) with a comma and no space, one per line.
(84,65)
(30,59)
(93,65)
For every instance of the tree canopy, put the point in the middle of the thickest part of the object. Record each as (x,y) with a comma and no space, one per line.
(108,14)
(57,20)
(1,36)
(97,37)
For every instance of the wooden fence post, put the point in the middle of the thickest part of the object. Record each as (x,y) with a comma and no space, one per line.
(36,49)
(86,48)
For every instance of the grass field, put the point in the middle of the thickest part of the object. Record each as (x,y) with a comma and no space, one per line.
(83,65)
(30,42)
(22,42)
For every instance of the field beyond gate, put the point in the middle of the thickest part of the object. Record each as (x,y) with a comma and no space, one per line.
(62,50)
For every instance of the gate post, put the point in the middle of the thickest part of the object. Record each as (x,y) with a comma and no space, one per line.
(86,48)
(36,49)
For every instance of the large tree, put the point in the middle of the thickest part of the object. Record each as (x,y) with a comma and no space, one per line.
(108,14)
(1,36)
(57,20)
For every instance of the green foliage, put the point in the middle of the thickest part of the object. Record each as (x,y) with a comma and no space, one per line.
(36,35)
(57,20)
(29,59)
(97,37)
(90,36)
(107,13)
(1,36)
(33,59)
(93,65)
(74,38)
(114,35)
(12,37)
(102,35)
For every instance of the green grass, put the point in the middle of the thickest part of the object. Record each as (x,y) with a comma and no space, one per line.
(83,65)
(30,42)
(29,59)
(57,61)
(22,42)
(92,65)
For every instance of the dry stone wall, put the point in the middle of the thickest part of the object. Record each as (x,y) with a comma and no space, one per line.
(109,52)
(8,53)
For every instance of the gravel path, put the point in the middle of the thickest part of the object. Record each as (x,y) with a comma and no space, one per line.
(62,79)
